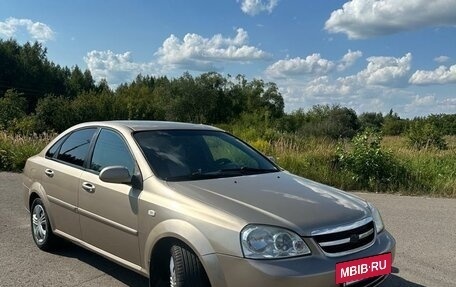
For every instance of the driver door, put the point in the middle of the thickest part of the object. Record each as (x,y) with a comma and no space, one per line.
(109,211)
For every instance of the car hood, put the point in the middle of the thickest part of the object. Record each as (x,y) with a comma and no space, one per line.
(278,198)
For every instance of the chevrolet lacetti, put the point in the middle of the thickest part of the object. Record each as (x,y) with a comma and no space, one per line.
(192,205)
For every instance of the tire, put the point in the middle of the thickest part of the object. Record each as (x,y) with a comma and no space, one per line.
(41,228)
(180,267)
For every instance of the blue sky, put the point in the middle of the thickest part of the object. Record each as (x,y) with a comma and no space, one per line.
(369,55)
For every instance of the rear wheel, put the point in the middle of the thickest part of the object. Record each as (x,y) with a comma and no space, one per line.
(41,229)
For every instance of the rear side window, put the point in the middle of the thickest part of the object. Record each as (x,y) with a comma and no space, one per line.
(74,149)
(52,151)
(110,150)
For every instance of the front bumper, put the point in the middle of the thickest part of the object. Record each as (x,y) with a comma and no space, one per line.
(316,270)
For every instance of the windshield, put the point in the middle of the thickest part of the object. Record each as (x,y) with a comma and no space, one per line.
(199,154)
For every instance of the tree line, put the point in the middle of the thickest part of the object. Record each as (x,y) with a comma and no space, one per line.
(36,95)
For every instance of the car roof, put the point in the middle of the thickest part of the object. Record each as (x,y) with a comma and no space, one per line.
(151,125)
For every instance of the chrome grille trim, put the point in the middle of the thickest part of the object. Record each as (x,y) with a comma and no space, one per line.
(335,242)
(367,233)
(329,230)
(345,241)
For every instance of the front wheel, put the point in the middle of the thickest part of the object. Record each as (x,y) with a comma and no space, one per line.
(41,228)
(185,269)
(177,265)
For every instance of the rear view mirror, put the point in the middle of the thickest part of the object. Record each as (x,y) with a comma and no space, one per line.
(115,174)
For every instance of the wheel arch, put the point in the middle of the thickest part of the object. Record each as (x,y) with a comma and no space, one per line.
(169,232)
(175,229)
(37,191)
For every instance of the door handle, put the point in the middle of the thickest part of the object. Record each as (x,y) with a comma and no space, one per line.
(49,172)
(87,186)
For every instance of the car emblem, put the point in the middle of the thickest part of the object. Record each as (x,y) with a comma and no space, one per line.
(354,238)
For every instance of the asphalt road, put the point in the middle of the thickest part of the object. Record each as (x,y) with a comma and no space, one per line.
(425,230)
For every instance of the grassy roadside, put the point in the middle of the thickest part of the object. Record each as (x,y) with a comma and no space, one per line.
(15,149)
(428,172)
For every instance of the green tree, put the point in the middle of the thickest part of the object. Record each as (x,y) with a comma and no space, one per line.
(54,113)
(26,69)
(328,121)
(444,123)
(79,82)
(12,108)
(371,120)
(393,125)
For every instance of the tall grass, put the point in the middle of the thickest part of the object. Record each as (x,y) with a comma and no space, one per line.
(15,149)
(431,171)
(427,172)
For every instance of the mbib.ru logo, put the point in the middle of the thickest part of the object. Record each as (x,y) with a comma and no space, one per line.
(359,269)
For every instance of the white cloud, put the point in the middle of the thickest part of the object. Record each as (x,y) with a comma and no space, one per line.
(421,105)
(195,52)
(37,30)
(424,100)
(374,88)
(325,90)
(116,68)
(442,59)
(323,86)
(312,65)
(441,75)
(369,18)
(381,85)
(384,71)
(254,7)
(349,59)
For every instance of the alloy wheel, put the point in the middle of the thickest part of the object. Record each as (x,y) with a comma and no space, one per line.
(39,224)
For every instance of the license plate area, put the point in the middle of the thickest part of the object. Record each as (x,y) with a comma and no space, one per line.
(349,273)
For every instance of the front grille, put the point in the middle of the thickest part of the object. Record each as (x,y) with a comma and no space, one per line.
(347,241)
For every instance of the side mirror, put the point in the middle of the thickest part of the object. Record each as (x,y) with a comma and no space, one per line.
(115,174)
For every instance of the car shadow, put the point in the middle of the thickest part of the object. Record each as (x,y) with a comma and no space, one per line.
(133,279)
(124,275)
(394,280)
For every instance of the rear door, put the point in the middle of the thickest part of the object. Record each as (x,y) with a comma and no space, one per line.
(108,211)
(62,169)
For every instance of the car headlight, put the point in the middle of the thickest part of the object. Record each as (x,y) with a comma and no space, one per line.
(268,242)
(379,226)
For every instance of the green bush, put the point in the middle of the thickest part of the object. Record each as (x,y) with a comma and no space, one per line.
(371,167)
(424,136)
(24,126)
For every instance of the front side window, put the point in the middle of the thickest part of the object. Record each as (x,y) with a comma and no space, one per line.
(74,149)
(199,154)
(111,150)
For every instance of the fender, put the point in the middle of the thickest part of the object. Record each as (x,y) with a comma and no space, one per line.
(38,189)
(191,236)
(181,230)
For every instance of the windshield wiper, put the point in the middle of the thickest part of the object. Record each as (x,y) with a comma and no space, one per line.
(248,170)
(194,175)
(226,172)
